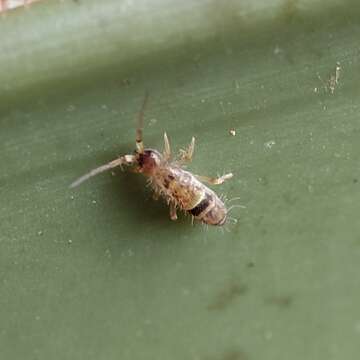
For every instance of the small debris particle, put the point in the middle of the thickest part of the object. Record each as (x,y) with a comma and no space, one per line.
(72,197)
(269,144)
(40,232)
(263,180)
(71,108)
(232,132)
(69,241)
(332,82)
(334,78)
(337,72)
(152,122)
(227,295)
(94,201)
(277,50)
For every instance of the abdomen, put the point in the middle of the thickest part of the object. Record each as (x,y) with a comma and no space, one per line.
(184,190)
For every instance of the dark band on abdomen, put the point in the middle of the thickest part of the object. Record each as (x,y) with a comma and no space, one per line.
(201,206)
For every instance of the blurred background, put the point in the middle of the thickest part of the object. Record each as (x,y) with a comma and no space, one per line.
(12,4)
(270,89)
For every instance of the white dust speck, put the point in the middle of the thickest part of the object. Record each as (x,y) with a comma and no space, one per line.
(278,50)
(269,144)
(71,108)
(152,122)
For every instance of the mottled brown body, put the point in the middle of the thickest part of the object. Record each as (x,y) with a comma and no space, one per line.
(181,189)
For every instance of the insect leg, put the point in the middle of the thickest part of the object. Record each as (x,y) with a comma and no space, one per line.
(173,215)
(167,149)
(123,160)
(140,126)
(214,181)
(186,155)
(155,195)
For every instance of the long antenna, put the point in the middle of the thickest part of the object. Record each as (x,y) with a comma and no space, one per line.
(117,162)
(140,125)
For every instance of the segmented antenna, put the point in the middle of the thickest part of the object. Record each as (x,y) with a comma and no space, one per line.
(100,169)
(140,125)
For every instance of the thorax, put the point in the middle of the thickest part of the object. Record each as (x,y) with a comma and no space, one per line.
(178,185)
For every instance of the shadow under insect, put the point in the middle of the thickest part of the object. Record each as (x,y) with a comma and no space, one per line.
(129,191)
(127,194)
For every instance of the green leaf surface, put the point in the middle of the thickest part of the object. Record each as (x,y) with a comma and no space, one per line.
(100,272)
